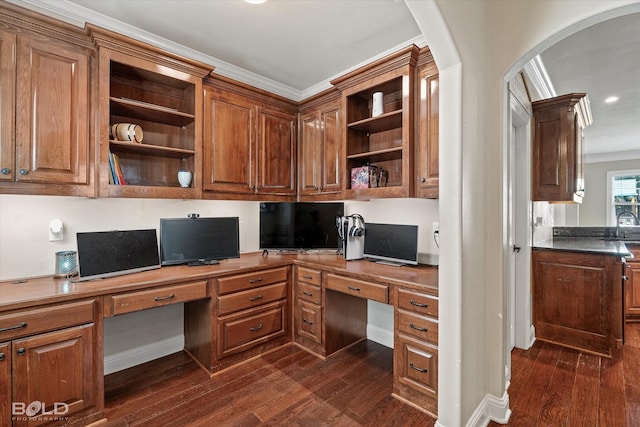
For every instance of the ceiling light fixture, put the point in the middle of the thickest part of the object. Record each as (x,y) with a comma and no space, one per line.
(255,1)
(611,99)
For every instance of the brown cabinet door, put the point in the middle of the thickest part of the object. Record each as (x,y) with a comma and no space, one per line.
(7,105)
(427,169)
(229,143)
(331,164)
(276,152)
(632,291)
(5,381)
(57,368)
(52,120)
(310,153)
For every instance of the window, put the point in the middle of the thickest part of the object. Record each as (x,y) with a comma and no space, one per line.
(624,197)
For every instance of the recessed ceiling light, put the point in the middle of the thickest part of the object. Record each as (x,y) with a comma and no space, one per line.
(255,1)
(611,99)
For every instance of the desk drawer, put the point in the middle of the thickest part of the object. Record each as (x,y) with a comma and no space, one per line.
(309,318)
(416,365)
(241,282)
(418,302)
(251,298)
(418,326)
(157,297)
(241,331)
(309,293)
(358,288)
(29,322)
(308,275)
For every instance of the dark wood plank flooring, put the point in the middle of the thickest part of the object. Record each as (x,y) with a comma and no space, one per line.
(287,387)
(556,386)
(550,386)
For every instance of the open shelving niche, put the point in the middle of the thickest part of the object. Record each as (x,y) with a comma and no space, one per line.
(385,141)
(164,107)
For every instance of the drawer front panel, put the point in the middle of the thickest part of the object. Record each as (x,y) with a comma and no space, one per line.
(242,282)
(309,322)
(251,298)
(417,365)
(418,326)
(135,301)
(358,288)
(29,322)
(308,275)
(418,302)
(239,332)
(309,293)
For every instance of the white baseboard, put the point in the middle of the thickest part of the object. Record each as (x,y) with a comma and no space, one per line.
(135,356)
(379,335)
(491,409)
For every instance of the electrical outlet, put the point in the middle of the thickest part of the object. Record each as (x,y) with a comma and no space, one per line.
(56,230)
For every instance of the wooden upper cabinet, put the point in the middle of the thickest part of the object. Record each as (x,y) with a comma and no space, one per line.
(228,149)
(558,157)
(45,136)
(249,143)
(161,93)
(385,141)
(427,145)
(320,161)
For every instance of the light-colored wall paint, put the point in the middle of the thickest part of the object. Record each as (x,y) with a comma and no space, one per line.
(593,211)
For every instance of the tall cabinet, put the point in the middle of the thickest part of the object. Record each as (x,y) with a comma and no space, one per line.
(160,93)
(44,94)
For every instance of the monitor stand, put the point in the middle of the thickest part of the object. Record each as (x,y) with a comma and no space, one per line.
(391,263)
(203,262)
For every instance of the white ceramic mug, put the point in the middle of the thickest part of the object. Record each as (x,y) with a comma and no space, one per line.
(184,178)
(127,132)
(377,107)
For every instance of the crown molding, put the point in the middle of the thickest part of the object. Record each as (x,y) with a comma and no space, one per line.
(613,156)
(77,15)
(538,81)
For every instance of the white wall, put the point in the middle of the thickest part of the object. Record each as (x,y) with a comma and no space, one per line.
(25,251)
(593,211)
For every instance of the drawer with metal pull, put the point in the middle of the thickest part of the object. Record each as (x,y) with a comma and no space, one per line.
(359,288)
(251,298)
(243,330)
(418,302)
(308,275)
(157,297)
(421,327)
(240,282)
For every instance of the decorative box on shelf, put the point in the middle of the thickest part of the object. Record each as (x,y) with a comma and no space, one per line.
(368,177)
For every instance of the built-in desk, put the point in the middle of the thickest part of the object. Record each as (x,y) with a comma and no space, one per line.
(233,311)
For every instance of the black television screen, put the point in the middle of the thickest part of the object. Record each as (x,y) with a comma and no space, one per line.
(198,240)
(299,225)
(111,253)
(391,243)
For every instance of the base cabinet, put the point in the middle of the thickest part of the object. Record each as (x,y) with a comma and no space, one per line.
(577,300)
(415,353)
(50,377)
(632,286)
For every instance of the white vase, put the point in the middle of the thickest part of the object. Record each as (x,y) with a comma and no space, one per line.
(184,178)
(377,104)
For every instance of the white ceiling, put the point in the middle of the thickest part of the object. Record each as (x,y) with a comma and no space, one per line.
(295,47)
(603,60)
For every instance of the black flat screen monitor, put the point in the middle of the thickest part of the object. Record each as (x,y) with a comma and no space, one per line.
(198,240)
(391,243)
(299,225)
(112,253)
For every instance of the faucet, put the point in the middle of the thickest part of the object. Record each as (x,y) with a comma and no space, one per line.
(635,222)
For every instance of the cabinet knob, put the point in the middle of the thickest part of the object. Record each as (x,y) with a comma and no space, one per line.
(23,172)
(423,179)
(5,171)
(321,188)
(21,350)
(2,356)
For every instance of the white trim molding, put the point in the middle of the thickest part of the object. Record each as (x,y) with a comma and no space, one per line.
(135,356)
(537,79)
(491,408)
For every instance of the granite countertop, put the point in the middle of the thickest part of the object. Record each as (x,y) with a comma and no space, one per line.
(586,244)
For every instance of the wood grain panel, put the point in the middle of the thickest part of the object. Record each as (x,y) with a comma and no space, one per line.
(5,381)
(308,275)
(251,298)
(276,152)
(157,297)
(418,302)
(7,105)
(358,288)
(240,282)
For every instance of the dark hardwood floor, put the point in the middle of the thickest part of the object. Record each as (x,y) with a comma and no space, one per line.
(550,386)
(288,387)
(556,386)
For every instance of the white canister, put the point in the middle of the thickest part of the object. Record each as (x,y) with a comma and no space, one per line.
(127,132)
(184,178)
(377,105)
